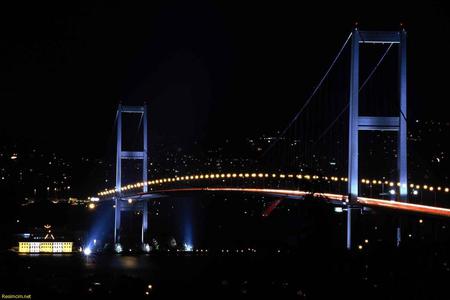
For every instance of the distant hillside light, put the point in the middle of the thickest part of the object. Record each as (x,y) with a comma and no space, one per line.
(14,156)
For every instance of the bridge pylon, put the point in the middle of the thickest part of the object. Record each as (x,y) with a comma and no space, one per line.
(359,123)
(121,202)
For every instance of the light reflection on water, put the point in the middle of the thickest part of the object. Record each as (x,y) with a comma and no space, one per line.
(129,262)
(132,262)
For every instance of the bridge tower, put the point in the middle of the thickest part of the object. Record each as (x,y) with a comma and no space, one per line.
(122,204)
(358,123)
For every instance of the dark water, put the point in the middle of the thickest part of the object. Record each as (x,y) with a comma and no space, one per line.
(320,274)
(312,263)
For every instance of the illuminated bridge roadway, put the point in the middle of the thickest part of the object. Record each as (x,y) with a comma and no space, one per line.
(259,183)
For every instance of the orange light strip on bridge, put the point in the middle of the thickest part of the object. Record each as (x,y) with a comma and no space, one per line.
(409,207)
(258,190)
(337,197)
(432,210)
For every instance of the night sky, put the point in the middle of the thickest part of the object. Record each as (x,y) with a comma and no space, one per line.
(208,70)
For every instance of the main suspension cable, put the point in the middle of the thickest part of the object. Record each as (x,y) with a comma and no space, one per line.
(309,98)
(360,89)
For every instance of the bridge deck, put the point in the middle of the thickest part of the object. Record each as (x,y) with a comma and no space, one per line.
(336,198)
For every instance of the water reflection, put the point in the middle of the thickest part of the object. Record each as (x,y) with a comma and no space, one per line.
(128,262)
(120,262)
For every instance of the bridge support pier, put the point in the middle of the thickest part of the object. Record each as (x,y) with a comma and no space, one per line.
(349,228)
(135,206)
(144,222)
(117,219)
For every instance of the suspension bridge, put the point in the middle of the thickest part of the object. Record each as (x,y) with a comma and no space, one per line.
(318,146)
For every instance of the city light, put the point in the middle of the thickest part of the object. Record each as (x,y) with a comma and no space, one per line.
(188,247)
(87,251)
(118,248)
(338,209)
(91,205)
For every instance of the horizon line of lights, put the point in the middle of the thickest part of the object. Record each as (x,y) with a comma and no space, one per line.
(159,181)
